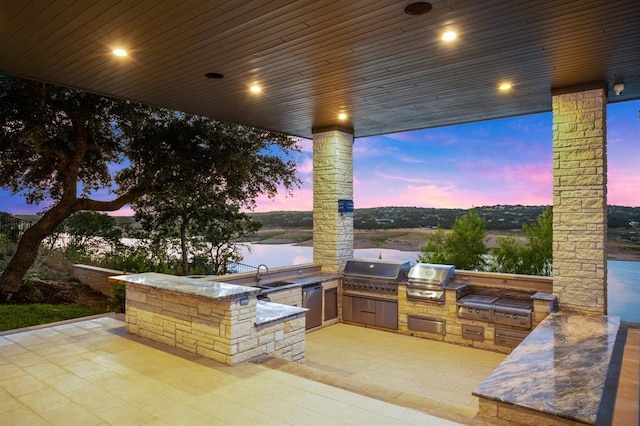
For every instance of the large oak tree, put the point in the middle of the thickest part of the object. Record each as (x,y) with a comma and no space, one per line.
(59,146)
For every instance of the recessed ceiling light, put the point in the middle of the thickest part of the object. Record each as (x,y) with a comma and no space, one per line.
(418,8)
(214,75)
(342,116)
(449,35)
(255,89)
(504,87)
(119,52)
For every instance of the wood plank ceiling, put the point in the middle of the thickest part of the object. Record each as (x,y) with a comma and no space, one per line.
(387,70)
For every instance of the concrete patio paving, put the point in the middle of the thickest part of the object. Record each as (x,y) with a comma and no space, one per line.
(91,372)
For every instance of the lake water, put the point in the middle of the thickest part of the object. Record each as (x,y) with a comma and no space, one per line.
(623,279)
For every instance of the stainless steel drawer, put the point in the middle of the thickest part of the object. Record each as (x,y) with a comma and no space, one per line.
(507,337)
(473,332)
(428,325)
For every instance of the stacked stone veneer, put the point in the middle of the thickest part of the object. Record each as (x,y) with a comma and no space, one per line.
(543,305)
(580,200)
(332,181)
(223,330)
(290,296)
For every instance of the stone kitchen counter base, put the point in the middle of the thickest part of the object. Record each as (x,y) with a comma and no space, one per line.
(555,376)
(220,321)
(452,328)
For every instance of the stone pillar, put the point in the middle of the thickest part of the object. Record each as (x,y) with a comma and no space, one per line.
(332,181)
(580,198)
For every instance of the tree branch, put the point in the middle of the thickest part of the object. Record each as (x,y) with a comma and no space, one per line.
(109,206)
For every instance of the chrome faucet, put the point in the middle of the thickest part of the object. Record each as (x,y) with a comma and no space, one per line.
(258,276)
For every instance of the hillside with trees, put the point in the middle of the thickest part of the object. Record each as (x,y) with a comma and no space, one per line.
(499,217)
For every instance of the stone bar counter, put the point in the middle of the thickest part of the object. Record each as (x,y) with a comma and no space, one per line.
(221,321)
(555,376)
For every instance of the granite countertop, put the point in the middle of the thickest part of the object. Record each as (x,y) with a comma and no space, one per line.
(559,369)
(268,312)
(192,286)
(296,281)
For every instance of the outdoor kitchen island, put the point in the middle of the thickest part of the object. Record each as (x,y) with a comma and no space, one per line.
(556,376)
(224,322)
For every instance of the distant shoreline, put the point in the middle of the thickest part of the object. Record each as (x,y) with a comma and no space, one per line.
(412,239)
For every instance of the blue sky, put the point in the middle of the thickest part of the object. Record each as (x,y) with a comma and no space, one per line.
(507,161)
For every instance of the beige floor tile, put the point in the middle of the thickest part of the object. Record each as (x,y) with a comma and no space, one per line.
(10,371)
(173,414)
(92,398)
(122,413)
(85,368)
(26,339)
(45,370)
(22,416)
(12,350)
(22,385)
(230,412)
(319,403)
(66,382)
(8,402)
(44,400)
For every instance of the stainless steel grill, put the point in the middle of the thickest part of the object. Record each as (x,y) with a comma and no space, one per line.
(374,275)
(427,281)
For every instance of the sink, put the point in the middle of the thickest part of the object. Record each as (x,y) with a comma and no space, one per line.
(276,284)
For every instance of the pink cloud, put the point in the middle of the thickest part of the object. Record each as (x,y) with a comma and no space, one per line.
(301,200)
(125,211)
(305,166)
(623,188)
(306,145)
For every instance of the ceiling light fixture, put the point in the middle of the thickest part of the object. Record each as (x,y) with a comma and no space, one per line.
(418,8)
(255,89)
(342,116)
(449,35)
(505,87)
(119,52)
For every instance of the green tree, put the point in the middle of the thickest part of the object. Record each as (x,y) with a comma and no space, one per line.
(91,231)
(535,257)
(60,145)
(205,226)
(463,247)
(220,234)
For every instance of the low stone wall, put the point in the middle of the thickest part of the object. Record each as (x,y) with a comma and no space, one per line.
(96,277)
(222,330)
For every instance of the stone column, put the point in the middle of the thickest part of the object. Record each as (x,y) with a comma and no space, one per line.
(580,198)
(332,181)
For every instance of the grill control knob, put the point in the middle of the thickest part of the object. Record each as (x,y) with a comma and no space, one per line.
(515,316)
(477,311)
(470,310)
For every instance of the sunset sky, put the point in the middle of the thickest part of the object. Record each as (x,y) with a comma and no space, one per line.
(507,161)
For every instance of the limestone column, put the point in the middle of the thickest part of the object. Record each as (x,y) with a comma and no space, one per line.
(332,181)
(580,198)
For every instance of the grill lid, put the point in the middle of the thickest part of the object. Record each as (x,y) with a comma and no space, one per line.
(514,303)
(432,273)
(376,268)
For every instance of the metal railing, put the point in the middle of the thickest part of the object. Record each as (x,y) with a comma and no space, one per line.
(237,268)
(12,226)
